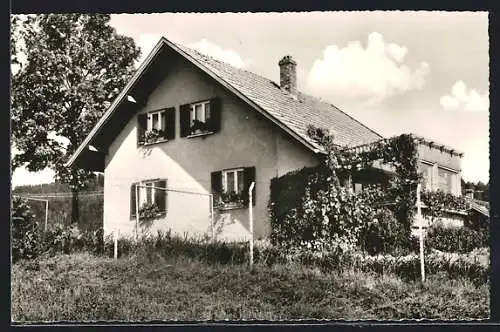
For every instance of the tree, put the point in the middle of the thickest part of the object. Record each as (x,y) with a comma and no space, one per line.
(76,64)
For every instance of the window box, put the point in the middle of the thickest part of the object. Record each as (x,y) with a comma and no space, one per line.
(230,200)
(200,134)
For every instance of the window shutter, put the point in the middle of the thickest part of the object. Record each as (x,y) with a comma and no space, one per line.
(185,115)
(216,182)
(215,116)
(142,123)
(249,177)
(169,124)
(161,195)
(132,200)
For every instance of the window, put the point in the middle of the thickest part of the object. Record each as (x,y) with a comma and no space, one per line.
(232,181)
(156,126)
(200,118)
(230,187)
(426,171)
(445,180)
(152,194)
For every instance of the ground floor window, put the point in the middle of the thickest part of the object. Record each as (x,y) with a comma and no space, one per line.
(230,187)
(151,196)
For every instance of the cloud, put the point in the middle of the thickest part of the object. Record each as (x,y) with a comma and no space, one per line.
(225,55)
(464,99)
(372,73)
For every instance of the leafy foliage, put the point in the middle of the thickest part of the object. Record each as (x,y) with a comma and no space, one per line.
(461,240)
(148,211)
(382,234)
(330,213)
(437,202)
(24,230)
(75,66)
(153,135)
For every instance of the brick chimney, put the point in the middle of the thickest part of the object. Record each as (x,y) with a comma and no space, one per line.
(288,74)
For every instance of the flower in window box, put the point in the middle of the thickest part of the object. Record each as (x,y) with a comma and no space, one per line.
(200,126)
(230,199)
(149,211)
(152,135)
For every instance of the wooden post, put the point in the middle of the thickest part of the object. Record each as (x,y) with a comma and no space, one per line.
(46,213)
(250,216)
(137,212)
(211,198)
(115,240)
(421,230)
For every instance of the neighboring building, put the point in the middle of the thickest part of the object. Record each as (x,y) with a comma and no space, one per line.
(220,128)
(441,170)
(198,126)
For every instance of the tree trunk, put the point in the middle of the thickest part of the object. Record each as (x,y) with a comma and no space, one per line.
(75,209)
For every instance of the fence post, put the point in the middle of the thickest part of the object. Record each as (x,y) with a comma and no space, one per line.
(250,216)
(46,213)
(421,229)
(212,216)
(115,240)
(137,212)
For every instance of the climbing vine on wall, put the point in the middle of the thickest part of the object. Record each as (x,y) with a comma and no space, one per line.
(400,152)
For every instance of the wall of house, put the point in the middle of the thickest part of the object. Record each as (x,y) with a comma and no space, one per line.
(441,170)
(245,139)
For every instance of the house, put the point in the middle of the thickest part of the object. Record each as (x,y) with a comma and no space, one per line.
(196,127)
(440,166)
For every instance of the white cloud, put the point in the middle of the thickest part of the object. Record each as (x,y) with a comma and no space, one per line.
(463,99)
(372,73)
(225,55)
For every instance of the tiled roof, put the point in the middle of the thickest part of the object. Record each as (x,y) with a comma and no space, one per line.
(294,112)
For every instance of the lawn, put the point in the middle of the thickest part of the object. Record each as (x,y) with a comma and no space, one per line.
(82,287)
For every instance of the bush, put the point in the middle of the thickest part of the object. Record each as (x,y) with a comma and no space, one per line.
(25,231)
(459,240)
(382,234)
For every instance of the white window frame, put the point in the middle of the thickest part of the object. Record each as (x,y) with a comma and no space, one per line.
(192,115)
(143,196)
(235,172)
(149,125)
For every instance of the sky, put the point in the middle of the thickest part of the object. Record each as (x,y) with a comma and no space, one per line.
(397,72)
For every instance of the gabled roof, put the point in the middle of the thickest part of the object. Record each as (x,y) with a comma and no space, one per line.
(291,113)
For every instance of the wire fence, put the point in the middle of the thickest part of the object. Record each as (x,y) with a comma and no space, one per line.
(56,208)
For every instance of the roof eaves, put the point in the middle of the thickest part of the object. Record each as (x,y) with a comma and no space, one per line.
(145,64)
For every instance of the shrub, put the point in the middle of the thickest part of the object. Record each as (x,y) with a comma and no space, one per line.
(382,234)
(25,231)
(460,240)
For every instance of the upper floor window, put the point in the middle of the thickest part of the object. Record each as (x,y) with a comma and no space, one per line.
(156,126)
(200,118)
